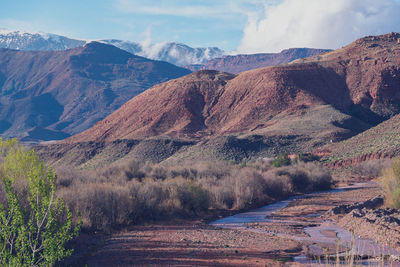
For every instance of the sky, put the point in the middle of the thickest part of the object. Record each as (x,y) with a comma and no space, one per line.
(238,26)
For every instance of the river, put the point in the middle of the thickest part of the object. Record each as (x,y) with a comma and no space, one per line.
(316,237)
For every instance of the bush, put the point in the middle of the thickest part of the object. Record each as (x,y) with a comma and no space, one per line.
(249,189)
(300,180)
(396,198)
(277,186)
(35,226)
(109,199)
(307,177)
(390,182)
(308,157)
(101,206)
(371,168)
(194,198)
(281,160)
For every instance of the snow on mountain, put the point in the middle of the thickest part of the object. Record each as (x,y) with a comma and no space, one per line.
(36,41)
(175,53)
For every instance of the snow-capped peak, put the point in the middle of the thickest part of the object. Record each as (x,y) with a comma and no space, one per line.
(175,53)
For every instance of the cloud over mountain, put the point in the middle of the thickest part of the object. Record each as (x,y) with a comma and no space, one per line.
(317,23)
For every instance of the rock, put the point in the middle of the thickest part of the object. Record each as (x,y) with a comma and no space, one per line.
(369,204)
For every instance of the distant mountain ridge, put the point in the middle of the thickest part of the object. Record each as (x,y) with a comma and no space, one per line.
(174,53)
(239,63)
(21,40)
(48,95)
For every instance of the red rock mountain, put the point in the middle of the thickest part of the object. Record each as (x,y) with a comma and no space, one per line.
(240,63)
(361,80)
(46,95)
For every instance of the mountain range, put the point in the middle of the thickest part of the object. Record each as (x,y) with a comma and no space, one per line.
(296,107)
(239,63)
(174,53)
(47,95)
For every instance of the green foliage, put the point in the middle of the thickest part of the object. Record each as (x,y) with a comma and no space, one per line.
(390,181)
(396,198)
(396,168)
(281,160)
(35,225)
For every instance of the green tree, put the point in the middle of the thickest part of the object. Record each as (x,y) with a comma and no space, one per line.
(35,225)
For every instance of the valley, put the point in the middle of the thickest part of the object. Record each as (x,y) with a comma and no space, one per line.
(250,160)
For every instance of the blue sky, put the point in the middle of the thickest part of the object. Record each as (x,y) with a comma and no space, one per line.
(246,26)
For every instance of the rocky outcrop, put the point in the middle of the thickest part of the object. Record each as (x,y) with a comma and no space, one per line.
(382,224)
(359,159)
(357,207)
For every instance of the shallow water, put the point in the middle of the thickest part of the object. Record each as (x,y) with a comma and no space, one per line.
(323,234)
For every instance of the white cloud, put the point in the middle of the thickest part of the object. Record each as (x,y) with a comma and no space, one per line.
(317,23)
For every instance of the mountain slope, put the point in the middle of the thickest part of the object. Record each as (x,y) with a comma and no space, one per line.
(240,63)
(371,68)
(209,103)
(52,94)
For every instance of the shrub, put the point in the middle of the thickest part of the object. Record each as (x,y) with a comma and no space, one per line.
(390,181)
(109,199)
(308,157)
(300,180)
(101,206)
(396,198)
(281,160)
(277,186)
(194,198)
(307,177)
(249,187)
(35,226)
(371,168)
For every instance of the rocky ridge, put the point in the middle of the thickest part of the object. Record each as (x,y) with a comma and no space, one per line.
(239,63)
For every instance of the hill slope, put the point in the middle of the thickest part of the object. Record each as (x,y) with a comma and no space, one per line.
(380,141)
(49,95)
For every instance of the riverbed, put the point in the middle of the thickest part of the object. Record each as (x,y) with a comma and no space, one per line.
(324,240)
(280,239)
